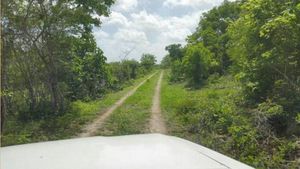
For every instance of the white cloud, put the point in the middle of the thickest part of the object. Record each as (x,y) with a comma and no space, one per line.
(131,36)
(115,18)
(146,30)
(145,19)
(180,26)
(126,5)
(191,3)
(99,34)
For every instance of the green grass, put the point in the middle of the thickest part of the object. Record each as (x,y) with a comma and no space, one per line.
(203,116)
(89,110)
(217,117)
(62,127)
(172,95)
(182,107)
(133,116)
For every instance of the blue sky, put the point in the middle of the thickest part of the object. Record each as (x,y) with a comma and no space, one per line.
(147,26)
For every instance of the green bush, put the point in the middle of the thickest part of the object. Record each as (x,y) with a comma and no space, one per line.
(217,117)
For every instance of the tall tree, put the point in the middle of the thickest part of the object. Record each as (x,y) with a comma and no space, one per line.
(265,48)
(39,38)
(197,62)
(148,61)
(175,54)
(175,51)
(212,32)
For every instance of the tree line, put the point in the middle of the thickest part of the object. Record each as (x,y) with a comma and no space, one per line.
(257,42)
(50,57)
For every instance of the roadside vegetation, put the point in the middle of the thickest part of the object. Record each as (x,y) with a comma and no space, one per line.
(215,116)
(61,127)
(54,78)
(134,115)
(235,86)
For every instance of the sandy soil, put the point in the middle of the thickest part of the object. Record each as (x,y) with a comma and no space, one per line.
(157,124)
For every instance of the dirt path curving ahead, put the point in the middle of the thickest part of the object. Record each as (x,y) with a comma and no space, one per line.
(157,124)
(92,128)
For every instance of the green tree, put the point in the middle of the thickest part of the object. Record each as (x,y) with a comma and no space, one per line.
(148,61)
(39,43)
(166,62)
(124,71)
(88,74)
(132,68)
(212,32)
(197,62)
(176,54)
(264,46)
(175,51)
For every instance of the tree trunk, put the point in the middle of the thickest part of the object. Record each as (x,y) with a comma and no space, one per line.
(32,98)
(55,100)
(51,71)
(4,62)
(56,97)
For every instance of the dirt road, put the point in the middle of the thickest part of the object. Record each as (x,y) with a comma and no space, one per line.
(157,124)
(92,128)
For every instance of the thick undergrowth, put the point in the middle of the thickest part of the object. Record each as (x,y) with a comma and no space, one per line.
(218,117)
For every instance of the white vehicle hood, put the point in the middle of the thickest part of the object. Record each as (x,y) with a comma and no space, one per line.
(149,151)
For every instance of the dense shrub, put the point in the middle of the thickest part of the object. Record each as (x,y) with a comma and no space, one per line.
(216,117)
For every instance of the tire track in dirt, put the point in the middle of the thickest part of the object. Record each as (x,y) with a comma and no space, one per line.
(92,128)
(157,124)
